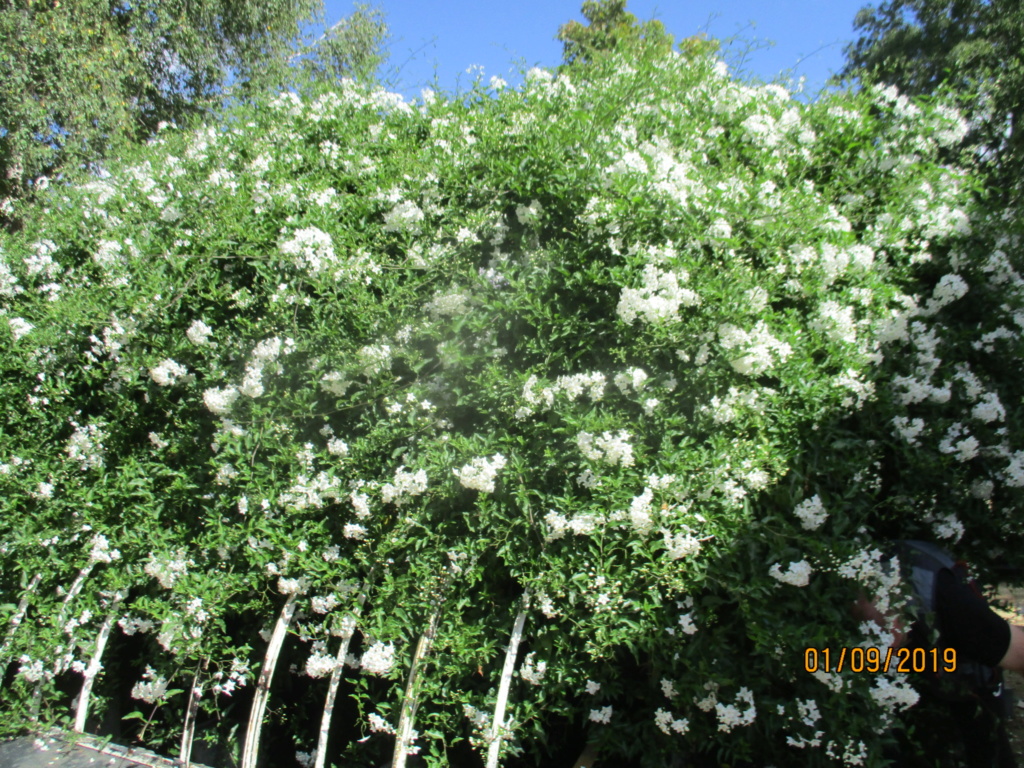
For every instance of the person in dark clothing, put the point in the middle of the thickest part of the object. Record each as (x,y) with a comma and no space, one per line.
(950,612)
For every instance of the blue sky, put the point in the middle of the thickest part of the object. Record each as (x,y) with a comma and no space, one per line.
(808,35)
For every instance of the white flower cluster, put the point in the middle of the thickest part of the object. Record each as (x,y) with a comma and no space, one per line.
(320,664)
(405,216)
(659,299)
(1013,475)
(965,449)
(533,673)
(219,400)
(880,579)
(729,715)
(950,288)
(405,484)
(894,695)
(835,321)
(236,678)
(167,570)
(19,327)
(132,624)
(667,722)
(680,545)
(989,409)
(86,446)
(529,214)
(32,671)
(908,429)
(379,725)
(798,573)
(167,373)
(151,688)
(448,305)
(335,383)
(480,473)
(811,513)
(374,358)
(728,409)
(312,250)
(378,659)
(686,624)
(761,349)
(101,551)
(8,282)
(609,448)
(323,604)
(311,493)
(640,512)
(582,524)
(571,386)
(292,586)
(603,715)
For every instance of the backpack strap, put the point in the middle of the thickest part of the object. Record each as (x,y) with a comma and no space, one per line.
(922,562)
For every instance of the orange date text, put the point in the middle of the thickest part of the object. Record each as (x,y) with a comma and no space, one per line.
(875,660)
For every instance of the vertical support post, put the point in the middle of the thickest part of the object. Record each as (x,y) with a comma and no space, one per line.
(15,622)
(494,737)
(259,704)
(94,667)
(189,731)
(332,690)
(410,701)
(62,617)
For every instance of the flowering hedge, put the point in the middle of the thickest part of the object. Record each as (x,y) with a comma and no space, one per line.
(663,352)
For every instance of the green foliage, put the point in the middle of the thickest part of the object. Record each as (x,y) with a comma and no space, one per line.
(80,80)
(658,348)
(970,49)
(609,28)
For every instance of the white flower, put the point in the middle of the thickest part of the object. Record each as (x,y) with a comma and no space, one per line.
(894,695)
(312,250)
(531,673)
(667,723)
(354,531)
(480,473)
(405,484)
(811,513)
(720,229)
(603,715)
(167,372)
(686,623)
(593,687)
(19,327)
(219,400)
(680,545)
(403,217)
(101,551)
(658,301)
(378,659)
(320,665)
(729,715)
(609,448)
(291,586)
(798,573)
(379,725)
(761,350)
(152,690)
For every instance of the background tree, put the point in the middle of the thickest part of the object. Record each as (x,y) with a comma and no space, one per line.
(610,27)
(975,48)
(79,79)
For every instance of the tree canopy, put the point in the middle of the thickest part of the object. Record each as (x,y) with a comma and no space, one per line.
(972,48)
(79,79)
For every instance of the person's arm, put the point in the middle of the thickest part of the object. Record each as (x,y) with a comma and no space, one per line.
(1014,658)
